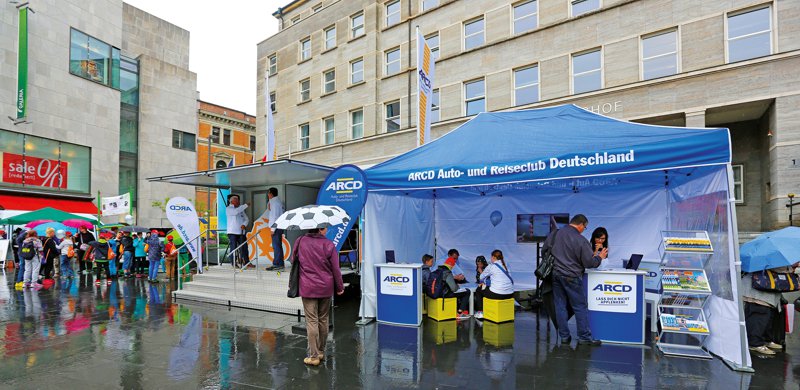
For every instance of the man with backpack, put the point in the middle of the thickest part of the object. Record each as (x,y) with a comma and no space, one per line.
(442,284)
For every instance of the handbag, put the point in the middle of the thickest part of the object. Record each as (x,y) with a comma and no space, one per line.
(768,280)
(294,274)
(545,268)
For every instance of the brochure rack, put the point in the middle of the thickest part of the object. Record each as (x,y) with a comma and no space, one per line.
(684,326)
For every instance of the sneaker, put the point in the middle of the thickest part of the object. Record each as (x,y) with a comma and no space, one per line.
(567,340)
(464,315)
(311,361)
(592,342)
(108,281)
(478,315)
(26,285)
(36,285)
(774,346)
(763,350)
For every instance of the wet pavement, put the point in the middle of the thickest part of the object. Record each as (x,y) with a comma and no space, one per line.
(130,334)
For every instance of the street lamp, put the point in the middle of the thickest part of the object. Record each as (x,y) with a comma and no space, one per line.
(791,205)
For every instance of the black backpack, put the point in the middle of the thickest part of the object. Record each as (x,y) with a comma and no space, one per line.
(28,250)
(435,286)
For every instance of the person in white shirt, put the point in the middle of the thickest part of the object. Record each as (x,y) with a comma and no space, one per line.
(237,229)
(275,207)
(496,283)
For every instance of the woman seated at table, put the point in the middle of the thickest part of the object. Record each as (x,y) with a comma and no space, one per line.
(501,286)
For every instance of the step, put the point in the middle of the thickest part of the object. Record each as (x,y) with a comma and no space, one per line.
(276,304)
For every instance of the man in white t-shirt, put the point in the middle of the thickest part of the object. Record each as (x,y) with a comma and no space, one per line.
(237,230)
(275,208)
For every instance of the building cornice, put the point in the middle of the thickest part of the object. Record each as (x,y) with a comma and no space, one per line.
(224,120)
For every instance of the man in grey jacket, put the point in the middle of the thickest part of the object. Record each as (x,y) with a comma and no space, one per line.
(573,255)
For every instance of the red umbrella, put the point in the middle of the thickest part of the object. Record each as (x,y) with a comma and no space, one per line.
(33,224)
(78,223)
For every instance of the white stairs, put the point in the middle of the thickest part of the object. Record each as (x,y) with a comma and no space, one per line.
(251,289)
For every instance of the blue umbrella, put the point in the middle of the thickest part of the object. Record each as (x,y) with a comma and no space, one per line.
(776,249)
(41,230)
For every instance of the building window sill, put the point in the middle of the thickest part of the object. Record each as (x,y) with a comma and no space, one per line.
(362,82)
(329,50)
(304,102)
(305,60)
(353,39)
(327,94)
(401,72)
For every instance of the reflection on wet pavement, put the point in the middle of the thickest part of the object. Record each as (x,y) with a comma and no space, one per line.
(130,334)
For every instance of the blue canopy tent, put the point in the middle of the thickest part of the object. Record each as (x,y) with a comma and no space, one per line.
(466,190)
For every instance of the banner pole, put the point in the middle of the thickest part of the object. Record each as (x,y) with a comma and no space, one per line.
(98,208)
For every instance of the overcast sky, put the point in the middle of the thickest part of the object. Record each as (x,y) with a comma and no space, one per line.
(224,35)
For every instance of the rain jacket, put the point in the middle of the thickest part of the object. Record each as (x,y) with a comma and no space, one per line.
(320,276)
(83,238)
(127,243)
(50,249)
(138,245)
(100,250)
(155,247)
(65,244)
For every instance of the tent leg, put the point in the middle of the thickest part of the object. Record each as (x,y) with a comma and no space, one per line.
(734,229)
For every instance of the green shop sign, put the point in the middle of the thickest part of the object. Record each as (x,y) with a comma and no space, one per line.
(22,65)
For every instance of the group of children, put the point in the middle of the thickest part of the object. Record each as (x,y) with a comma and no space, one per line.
(493,279)
(52,256)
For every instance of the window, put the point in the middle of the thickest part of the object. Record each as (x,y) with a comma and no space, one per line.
(357,124)
(587,73)
(273,106)
(435,106)
(428,4)
(357,71)
(474,97)
(93,59)
(433,43)
(330,37)
(305,49)
(273,64)
(392,116)
(357,25)
(295,20)
(392,61)
(329,130)
(253,143)
(580,7)
(305,90)
(749,34)
(304,136)
(226,137)
(473,34)
(525,16)
(738,183)
(183,140)
(392,13)
(215,134)
(660,55)
(526,85)
(317,8)
(221,164)
(329,81)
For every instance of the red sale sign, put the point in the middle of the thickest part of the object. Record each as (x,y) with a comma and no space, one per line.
(34,171)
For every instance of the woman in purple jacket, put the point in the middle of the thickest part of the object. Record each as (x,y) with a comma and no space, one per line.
(320,277)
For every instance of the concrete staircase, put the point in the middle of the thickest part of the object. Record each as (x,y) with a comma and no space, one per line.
(251,289)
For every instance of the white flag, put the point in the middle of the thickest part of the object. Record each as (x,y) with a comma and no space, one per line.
(272,152)
(425,73)
(116,205)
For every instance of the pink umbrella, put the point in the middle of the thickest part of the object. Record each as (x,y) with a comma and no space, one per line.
(36,223)
(78,223)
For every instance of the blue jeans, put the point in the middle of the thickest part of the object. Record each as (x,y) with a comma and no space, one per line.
(127,261)
(235,240)
(277,247)
(569,291)
(153,270)
(21,270)
(66,266)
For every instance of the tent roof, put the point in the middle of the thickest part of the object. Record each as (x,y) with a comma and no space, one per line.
(254,175)
(44,213)
(544,144)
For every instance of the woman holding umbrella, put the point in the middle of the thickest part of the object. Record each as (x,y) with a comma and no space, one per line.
(319,270)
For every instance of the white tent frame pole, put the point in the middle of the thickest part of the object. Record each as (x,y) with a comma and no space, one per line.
(737,278)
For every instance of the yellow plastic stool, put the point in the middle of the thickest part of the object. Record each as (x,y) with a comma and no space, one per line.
(498,310)
(441,312)
(498,335)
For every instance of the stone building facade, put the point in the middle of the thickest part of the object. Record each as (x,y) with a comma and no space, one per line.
(109,87)
(342,73)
